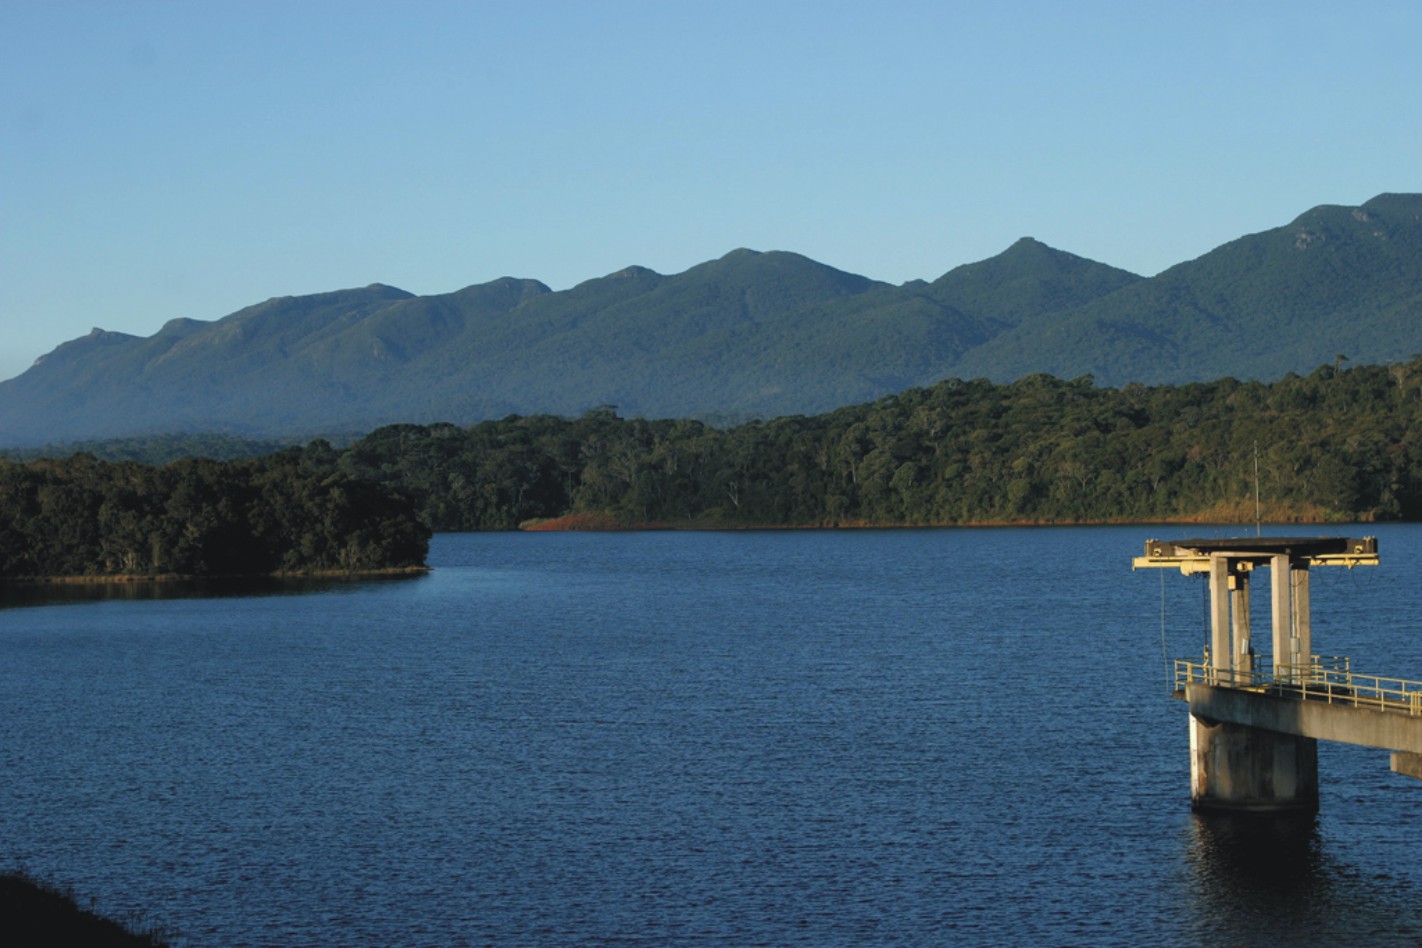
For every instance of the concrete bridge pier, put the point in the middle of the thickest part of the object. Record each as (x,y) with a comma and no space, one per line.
(1234,767)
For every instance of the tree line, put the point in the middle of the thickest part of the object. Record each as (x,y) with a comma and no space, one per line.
(1342,444)
(289,512)
(1339,444)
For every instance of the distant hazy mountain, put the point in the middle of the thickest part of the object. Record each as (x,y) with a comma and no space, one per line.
(750,334)
(1335,281)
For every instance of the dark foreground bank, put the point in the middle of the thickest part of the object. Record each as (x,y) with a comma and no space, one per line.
(33,913)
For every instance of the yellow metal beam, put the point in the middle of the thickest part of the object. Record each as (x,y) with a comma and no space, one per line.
(1193,556)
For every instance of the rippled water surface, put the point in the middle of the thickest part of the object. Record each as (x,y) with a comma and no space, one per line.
(921,737)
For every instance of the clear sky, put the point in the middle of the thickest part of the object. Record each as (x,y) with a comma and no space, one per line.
(166,159)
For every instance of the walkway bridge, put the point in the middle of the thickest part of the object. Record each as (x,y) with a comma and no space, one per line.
(1255,721)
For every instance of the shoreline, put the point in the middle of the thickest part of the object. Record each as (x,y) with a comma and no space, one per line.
(607,523)
(604,523)
(125,579)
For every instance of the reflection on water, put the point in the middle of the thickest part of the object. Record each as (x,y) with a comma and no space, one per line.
(1273,859)
(50,594)
(1269,879)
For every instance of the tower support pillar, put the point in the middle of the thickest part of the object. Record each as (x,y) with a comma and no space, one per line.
(1234,767)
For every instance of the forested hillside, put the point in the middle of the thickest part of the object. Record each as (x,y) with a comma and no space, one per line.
(748,335)
(1334,280)
(1340,444)
(290,512)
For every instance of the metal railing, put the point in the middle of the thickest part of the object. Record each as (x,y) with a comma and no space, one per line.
(1325,678)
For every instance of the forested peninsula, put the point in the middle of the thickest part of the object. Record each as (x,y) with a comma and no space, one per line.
(291,512)
(1342,444)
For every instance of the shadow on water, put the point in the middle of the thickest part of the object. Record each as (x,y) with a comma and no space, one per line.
(1267,879)
(49,594)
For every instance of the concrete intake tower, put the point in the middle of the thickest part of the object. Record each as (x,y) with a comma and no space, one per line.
(1256,719)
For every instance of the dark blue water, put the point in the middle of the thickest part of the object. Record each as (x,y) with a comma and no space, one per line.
(912,737)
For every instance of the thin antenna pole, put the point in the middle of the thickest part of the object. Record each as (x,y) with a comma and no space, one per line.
(1257,529)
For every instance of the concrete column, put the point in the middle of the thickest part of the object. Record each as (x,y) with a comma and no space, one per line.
(1282,616)
(1407,764)
(1243,654)
(1220,658)
(1234,767)
(1303,620)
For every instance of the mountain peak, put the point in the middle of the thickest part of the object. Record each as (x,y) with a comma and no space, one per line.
(503,293)
(753,333)
(1028,257)
(794,274)
(1026,280)
(105,336)
(633,272)
(1395,203)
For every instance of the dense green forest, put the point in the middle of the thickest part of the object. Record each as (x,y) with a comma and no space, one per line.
(1341,444)
(160,449)
(292,511)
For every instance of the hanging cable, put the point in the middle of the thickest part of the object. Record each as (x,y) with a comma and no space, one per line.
(1164,651)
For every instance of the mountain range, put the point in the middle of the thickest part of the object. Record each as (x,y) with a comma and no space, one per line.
(747,335)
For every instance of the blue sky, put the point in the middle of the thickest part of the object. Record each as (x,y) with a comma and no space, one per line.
(167,159)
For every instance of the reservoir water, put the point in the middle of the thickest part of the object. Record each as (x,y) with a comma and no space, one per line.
(764,738)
